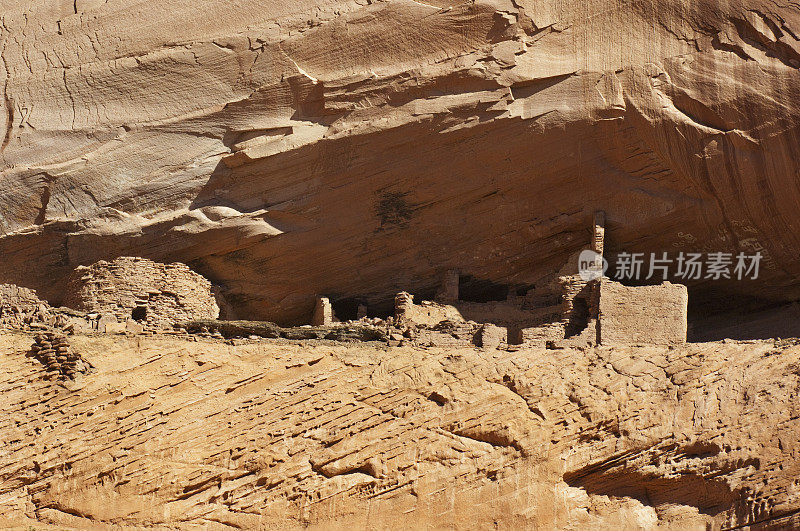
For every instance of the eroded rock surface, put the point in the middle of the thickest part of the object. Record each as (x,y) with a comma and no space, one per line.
(348,148)
(176,433)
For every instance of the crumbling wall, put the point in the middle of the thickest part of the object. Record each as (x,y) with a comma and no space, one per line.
(492,336)
(643,315)
(564,309)
(16,296)
(517,321)
(579,305)
(425,314)
(20,307)
(156,295)
(323,313)
(541,335)
(521,312)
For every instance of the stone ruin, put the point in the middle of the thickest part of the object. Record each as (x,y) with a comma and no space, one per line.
(21,307)
(134,295)
(568,310)
(323,313)
(126,295)
(643,314)
(135,290)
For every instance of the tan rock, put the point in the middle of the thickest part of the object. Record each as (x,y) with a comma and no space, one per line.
(357,148)
(120,125)
(694,436)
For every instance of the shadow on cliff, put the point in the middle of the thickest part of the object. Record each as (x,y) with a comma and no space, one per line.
(715,315)
(619,476)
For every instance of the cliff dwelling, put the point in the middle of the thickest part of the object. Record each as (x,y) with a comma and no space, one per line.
(510,265)
(155,295)
(132,295)
(568,310)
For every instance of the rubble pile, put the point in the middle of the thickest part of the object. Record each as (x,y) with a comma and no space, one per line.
(52,349)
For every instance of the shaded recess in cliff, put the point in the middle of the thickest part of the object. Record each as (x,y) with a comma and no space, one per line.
(355,150)
(618,477)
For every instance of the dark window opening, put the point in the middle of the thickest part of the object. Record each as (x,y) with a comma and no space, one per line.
(421,295)
(522,291)
(139,313)
(472,290)
(346,309)
(579,320)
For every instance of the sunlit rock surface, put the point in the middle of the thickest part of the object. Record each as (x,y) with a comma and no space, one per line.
(181,434)
(287,150)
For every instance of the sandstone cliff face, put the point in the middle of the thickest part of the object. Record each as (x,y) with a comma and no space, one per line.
(357,148)
(167,432)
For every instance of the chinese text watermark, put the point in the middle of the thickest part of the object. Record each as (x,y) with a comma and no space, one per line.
(664,266)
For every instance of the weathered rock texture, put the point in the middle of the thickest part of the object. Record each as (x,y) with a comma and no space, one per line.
(134,288)
(19,306)
(276,435)
(356,149)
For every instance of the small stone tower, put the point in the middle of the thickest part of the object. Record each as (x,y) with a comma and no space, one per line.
(156,295)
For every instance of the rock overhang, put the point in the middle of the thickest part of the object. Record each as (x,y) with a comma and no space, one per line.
(488,155)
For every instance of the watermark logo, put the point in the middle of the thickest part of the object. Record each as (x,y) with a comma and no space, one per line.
(591,266)
(680,267)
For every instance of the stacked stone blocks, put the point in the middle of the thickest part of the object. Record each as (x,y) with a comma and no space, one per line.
(156,295)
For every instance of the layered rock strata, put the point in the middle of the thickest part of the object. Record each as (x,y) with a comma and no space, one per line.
(169,433)
(357,149)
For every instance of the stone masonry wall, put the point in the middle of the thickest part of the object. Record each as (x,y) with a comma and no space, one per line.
(154,294)
(20,306)
(643,315)
(426,314)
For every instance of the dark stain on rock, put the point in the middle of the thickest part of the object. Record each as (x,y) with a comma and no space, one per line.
(393,209)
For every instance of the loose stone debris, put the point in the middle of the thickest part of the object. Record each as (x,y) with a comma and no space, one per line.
(52,349)
(136,296)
